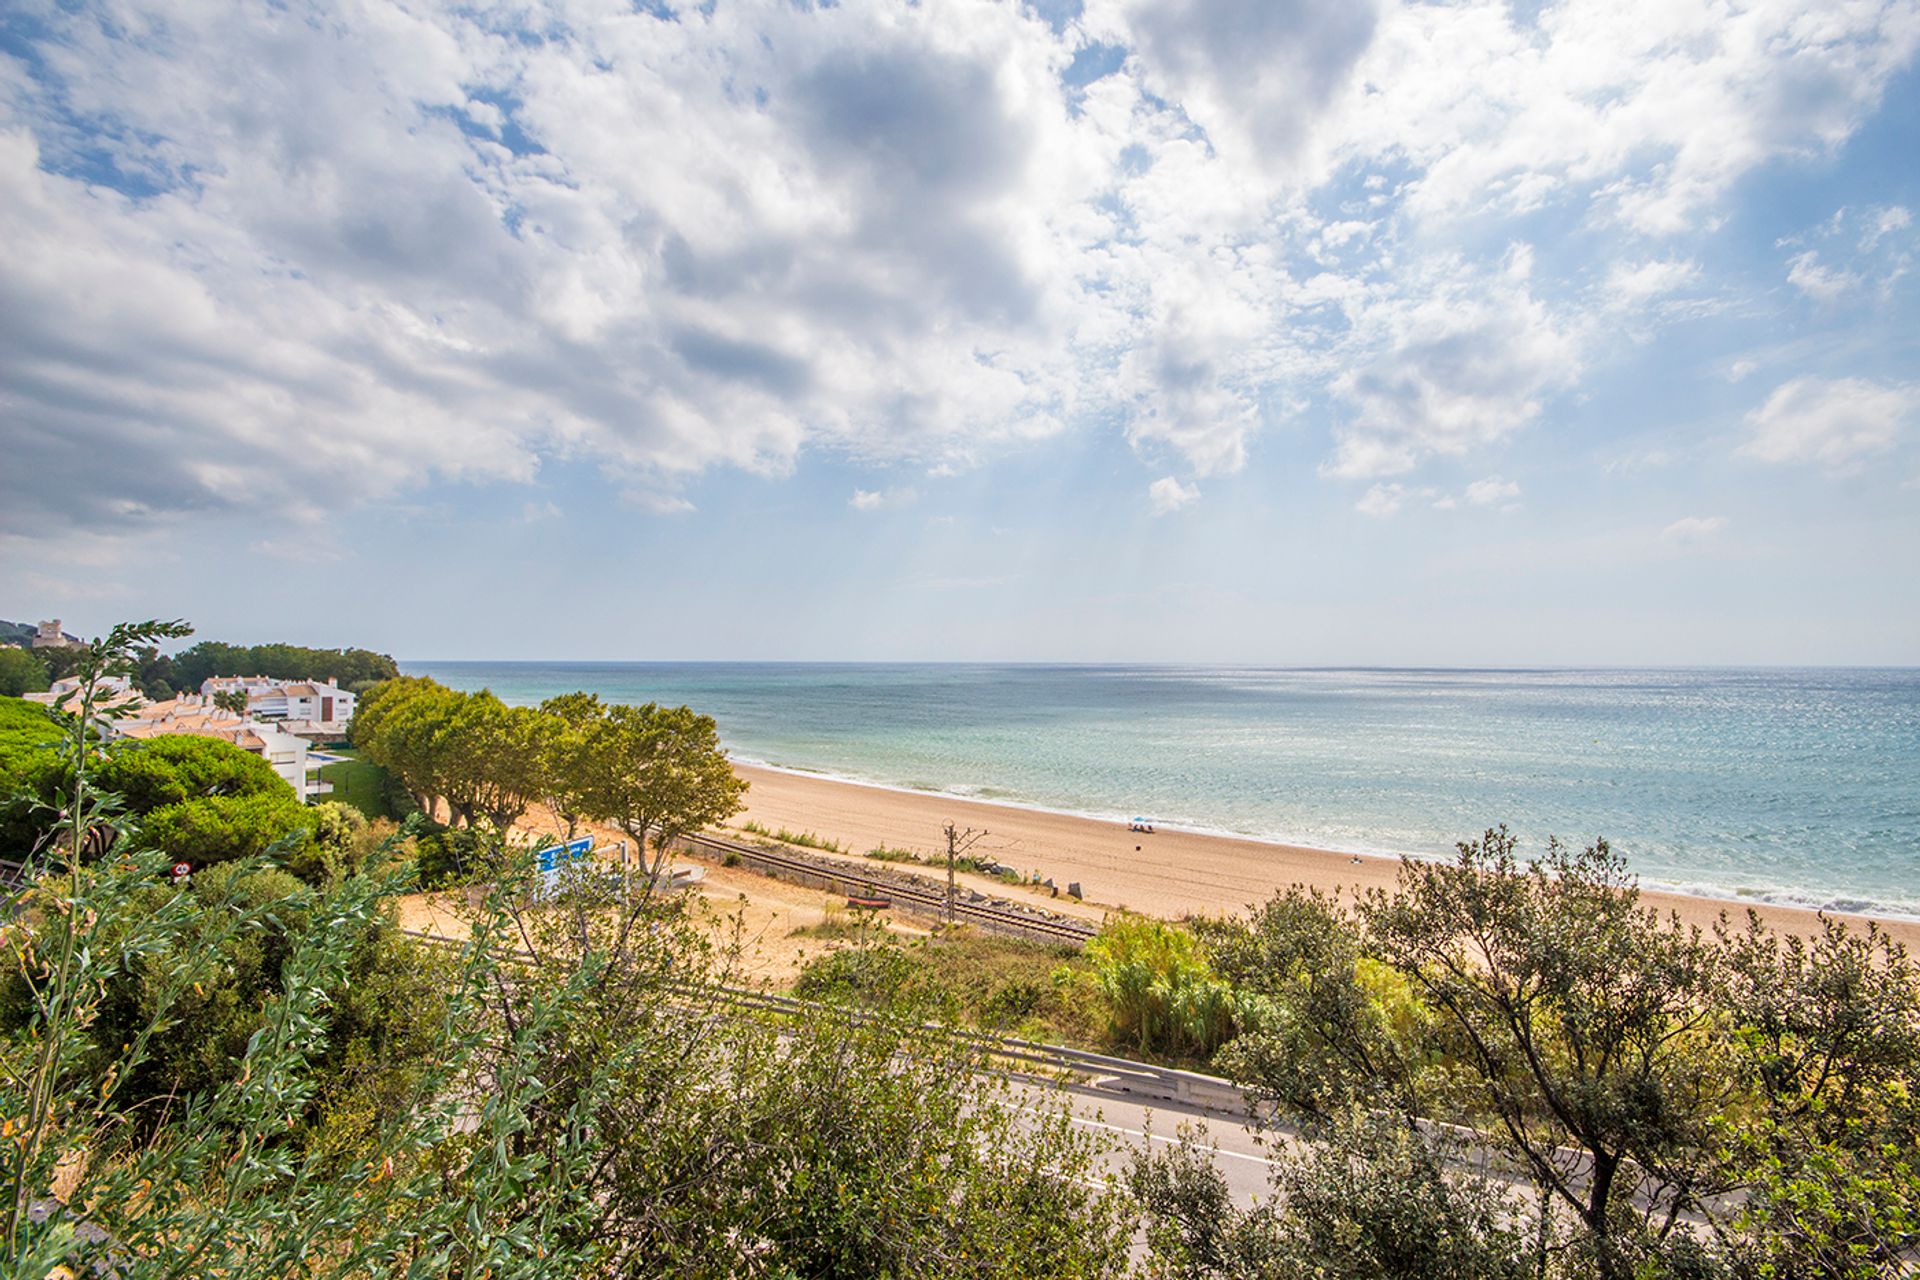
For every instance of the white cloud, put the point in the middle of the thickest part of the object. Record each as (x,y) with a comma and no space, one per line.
(1641,460)
(881,499)
(1254,74)
(1633,285)
(661,504)
(1460,364)
(1653,107)
(1484,493)
(1821,283)
(1886,222)
(253,256)
(1692,531)
(1833,422)
(1381,500)
(1167,495)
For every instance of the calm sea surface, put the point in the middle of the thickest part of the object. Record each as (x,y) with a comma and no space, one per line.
(1783,785)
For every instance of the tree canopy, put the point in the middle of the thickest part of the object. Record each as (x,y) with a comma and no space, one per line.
(281,661)
(173,768)
(1500,1067)
(654,772)
(21,672)
(658,773)
(1638,1074)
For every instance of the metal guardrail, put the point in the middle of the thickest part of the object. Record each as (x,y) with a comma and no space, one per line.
(997,919)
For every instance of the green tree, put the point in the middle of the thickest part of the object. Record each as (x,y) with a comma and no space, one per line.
(400,725)
(565,733)
(1582,1023)
(1371,1198)
(234,700)
(1334,1028)
(192,667)
(224,828)
(1828,1040)
(155,674)
(65,663)
(658,773)
(21,672)
(488,759)
(173,768)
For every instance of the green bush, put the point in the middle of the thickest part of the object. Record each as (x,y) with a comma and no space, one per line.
(446,856)
(30,771)
(214,829)
(883,853)
(20,672)
(382,1011)
(1160,989)
(148,776)
(804,839)
(338,844)
(178,767)
(882,974)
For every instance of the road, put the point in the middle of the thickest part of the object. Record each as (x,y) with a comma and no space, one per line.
(1131,1124)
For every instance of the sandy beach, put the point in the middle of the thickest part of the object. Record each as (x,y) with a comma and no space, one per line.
(1167,873)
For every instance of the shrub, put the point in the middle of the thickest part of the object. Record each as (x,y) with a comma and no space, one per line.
(446,856)
(21,671)
(881,974)
(382,1010)
(881,853)
(30,773)
(804,839)
(179,767)
(1160,988)
(216,829)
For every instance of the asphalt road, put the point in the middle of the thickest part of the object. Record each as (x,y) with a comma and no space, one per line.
(1131,1125)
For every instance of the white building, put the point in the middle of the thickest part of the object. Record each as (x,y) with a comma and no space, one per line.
(113,691)
(308,707)
(198,717)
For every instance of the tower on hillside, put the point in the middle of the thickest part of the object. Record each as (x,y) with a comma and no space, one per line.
(48,635)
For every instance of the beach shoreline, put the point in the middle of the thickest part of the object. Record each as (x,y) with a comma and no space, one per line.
(1168,873)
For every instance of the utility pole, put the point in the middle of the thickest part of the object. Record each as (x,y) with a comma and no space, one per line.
(958,842)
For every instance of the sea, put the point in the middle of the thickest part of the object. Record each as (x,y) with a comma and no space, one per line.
(1797,786)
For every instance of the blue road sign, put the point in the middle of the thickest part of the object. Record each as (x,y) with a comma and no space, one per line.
(552,859)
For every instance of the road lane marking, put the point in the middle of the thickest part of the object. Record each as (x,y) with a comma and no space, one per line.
(1157,1137)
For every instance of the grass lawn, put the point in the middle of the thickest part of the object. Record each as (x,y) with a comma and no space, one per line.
(359,783)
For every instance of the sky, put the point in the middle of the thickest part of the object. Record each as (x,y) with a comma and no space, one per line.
(1312,332)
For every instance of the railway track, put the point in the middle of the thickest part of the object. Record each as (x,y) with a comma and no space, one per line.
(930,901)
